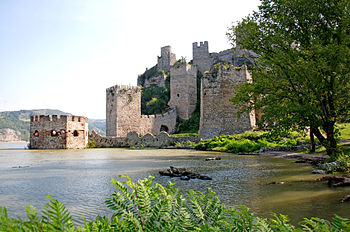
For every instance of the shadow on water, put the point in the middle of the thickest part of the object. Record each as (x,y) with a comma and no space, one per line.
(81,180)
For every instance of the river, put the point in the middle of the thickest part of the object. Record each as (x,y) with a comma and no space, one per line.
(81,180)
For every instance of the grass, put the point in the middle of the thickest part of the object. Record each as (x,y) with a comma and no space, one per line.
(184,135)
(344,130)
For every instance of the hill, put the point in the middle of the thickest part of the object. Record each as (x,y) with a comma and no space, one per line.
(19,121)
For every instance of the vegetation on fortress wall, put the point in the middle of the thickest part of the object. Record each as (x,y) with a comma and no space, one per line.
(146,206)
(302,76)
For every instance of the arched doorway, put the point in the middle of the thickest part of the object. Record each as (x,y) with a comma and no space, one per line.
(164,128)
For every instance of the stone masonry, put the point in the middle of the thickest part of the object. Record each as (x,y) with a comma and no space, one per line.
(58,132)
(218,115)
(123,114)
(183,89)
(167,58)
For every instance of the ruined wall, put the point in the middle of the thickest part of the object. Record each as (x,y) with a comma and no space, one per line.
(157,80)
(201,56)
(183,89)
(218,115)
(123,110)
(58,132)
(167,58)
(227,56)
(134,140)
(155,124)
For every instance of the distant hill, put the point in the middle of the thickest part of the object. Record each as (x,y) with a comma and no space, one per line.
(19,121)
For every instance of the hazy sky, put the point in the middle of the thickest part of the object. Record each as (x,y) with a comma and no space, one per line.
(63,54)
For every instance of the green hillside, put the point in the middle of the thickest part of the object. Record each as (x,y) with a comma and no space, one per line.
(19,121)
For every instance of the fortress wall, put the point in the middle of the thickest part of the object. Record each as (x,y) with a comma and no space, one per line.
(134,140)
(154,124)
(218,115)
(183,89)
(78,139)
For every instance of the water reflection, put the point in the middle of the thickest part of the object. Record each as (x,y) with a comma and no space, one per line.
(81,179)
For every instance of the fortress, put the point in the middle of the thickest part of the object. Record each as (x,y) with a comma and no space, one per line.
(218,73)
(218,115)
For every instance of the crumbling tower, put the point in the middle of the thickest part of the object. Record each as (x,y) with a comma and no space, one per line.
(123,110)
(183,89)
(201,56)
(167,58)
(218,114)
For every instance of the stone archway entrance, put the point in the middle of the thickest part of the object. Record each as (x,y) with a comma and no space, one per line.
(164,128)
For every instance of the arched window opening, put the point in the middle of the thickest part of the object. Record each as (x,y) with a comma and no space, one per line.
(164,128)
(36,133)
(54,133)
(75,133)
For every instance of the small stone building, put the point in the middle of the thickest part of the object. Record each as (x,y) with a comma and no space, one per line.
(58,132)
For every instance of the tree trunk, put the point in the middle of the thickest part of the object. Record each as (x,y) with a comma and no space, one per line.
(331,147)
(312,140)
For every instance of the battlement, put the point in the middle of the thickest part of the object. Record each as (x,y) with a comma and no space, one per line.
(120,89)
(183,68)
(202,45)
(58,118)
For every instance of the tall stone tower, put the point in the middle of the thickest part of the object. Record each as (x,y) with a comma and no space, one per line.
(123,110)
(183,89)
(201,56)
(218,114)
(166,59)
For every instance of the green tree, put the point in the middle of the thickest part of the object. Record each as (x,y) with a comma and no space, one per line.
(302,75)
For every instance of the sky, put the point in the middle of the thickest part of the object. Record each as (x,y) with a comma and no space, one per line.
(63,54)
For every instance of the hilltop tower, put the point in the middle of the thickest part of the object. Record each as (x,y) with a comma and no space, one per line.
(218,114)
(58,132)
(166,59)
(201,56)
(123,110)
(183,89)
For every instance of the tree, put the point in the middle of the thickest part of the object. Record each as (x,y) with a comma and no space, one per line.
(302,74)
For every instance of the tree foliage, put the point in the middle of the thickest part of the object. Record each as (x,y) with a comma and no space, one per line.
(302,75)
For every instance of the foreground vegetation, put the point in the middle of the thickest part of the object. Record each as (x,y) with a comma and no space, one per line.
(147,206)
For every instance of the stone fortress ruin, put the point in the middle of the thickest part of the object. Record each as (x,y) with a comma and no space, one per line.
(218,115)
(58,132)
(218,73)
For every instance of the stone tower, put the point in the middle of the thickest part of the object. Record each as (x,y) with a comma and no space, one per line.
(166,59)
(183,89)
(58,132)
(201,56)
(123,110)
(218,114)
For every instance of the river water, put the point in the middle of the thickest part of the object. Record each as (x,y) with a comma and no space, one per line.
(81,180)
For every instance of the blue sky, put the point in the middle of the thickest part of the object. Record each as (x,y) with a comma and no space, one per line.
(63,54)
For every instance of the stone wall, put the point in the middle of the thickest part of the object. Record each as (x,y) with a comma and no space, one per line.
(218,115)
(167,58)
(58,132)
(155,124)
(134,140)
(123,114)
(183,89)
